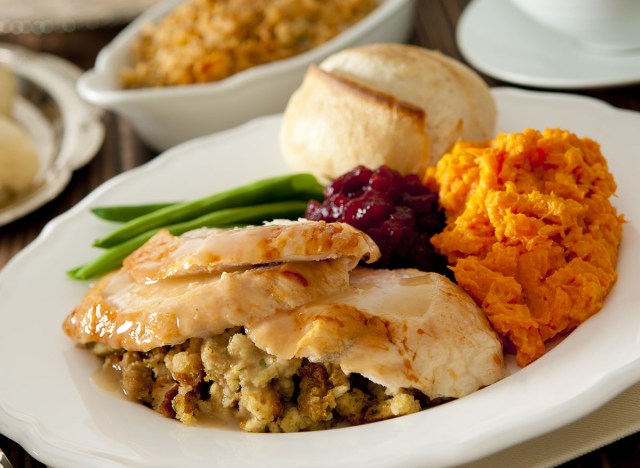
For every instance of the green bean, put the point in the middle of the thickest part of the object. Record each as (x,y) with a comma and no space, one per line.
(112,257)
(288,187)
(124,213)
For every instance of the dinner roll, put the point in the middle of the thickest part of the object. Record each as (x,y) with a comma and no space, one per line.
(394,104)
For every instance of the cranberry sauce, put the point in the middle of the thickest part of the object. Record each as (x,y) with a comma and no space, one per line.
(397,212)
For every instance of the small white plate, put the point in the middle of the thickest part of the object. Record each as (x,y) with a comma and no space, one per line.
(46,16)
(501,41)
(67,131)
(51,406)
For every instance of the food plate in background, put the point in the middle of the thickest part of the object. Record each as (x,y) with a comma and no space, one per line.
(67,131)
(166,116)
(46,16)
(52,406)
(501,41)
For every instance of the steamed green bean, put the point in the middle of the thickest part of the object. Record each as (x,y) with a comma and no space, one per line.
(289,187)
(112,257)
(124,213)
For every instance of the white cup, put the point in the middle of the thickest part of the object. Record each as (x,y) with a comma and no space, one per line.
(597,25)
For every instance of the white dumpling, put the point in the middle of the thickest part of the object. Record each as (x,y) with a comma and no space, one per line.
(19,160)
(8,91)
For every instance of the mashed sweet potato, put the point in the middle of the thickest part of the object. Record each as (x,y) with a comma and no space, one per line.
(531,234)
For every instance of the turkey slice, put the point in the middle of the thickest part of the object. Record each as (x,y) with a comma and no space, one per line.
(398,328)
(211,250)
(123,313)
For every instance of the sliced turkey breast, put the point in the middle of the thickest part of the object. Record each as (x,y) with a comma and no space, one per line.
(398,328)
(211,250)
(123,313)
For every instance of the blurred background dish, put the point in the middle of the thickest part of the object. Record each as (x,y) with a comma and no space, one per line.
(500,40)
(46,16)
(169,115)
(600,26)
(66,131)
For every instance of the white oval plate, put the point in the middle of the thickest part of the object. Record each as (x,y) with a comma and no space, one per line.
(49,404)
(66,130)
(501,41)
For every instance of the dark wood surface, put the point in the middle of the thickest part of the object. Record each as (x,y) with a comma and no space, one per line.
(435,23)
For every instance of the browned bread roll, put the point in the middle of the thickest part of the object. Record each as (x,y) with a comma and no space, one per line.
(392,104)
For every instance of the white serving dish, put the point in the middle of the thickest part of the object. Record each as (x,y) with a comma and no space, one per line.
(164,117)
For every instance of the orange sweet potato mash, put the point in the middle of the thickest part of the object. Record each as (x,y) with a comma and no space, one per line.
(531,234)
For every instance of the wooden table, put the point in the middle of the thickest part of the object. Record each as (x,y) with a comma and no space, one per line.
(435,23)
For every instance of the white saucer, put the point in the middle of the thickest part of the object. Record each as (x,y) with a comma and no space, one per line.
(499,40)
